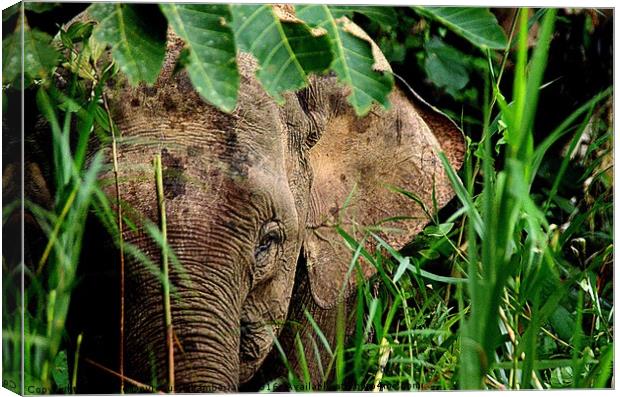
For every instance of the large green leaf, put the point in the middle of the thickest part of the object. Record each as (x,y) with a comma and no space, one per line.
(8,12)
(353,58)
(11,57)
(137,35)
(446,66)
(39,7)
(40,57)
(212,65)
(477,25)
(60,371)
(385,16)
(36,7)
(286,49)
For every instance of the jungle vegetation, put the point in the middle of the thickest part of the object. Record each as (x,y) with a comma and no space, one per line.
(509,287)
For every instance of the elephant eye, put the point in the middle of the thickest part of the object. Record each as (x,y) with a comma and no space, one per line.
(271,234)
(266,252)
(265,243)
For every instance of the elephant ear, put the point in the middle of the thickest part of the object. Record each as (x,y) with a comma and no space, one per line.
(355,163)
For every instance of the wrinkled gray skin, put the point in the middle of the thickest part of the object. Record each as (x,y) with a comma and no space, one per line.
(250,197)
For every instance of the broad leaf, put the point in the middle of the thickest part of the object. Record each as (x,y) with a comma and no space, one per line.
(78,31)
(137,35)
(385,16)
(404,263)
(445,66)
(39,7)
(60,371)
(286,48)
(36,7)
(353,58)
(40,57)
(8,12)
(11,57)
(562,322)
(211,60)
(440,230)
(477,25)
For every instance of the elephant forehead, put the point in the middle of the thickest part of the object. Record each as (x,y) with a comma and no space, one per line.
(204,127)
(200,176)
(207,139)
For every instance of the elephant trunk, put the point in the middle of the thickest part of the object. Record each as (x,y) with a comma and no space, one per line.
(206,328)
(207,359)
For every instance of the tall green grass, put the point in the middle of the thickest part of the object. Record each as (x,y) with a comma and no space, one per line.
(70,117)
(53,281)
(512,238)
(75,117)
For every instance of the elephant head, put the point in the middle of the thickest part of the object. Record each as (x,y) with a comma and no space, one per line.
(252,196)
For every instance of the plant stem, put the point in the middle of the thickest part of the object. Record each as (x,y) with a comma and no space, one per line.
(76,359)
(54,235)
(166,283)
(119,219)
(128,380)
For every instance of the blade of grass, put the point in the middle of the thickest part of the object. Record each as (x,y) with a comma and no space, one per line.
(514,137)
(319,361)
(423,273)
(563,128)
(359,338)
(565,161)
(301,356)
(61,150)
(292,378)
(121,254)
(463,195)
(76,360)
(319,332)
(135,383)
(577,364)
(166,276)
(529,341)
(158,237)
(340,335)
(354,245)
(536,71)
(52,239)
(603,370)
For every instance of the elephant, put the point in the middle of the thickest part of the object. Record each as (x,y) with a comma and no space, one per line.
(252,199)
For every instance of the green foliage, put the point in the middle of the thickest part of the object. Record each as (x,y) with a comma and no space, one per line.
(452,65)
(477,25)
(287,51)
(33,6)
(382,15)
(353,59)
(39,7)
(505,200)
(138,44)
(75,191)
(529,307)
(210,40)
(7,13)
(70,120)
(11,58)
(40,56)
(60,371)
(288,47)
(445,66)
